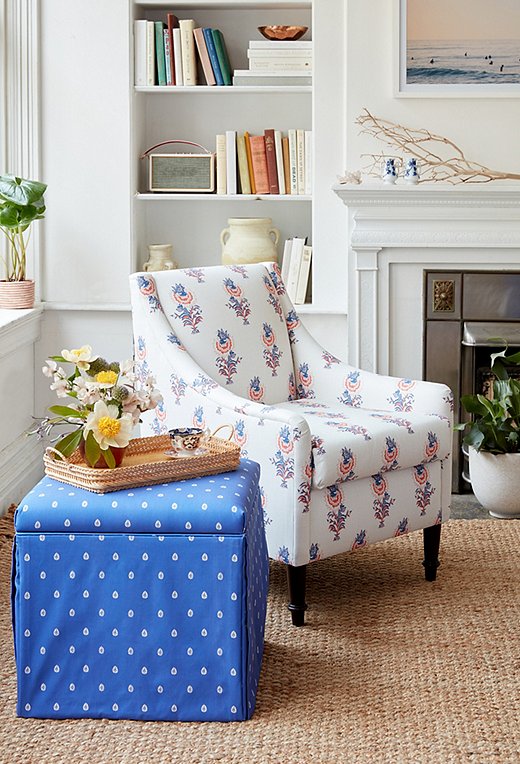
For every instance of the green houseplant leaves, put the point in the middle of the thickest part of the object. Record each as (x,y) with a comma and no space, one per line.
(495,425)
(21,203)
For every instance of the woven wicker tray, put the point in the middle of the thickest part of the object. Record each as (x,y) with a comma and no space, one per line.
(145,463)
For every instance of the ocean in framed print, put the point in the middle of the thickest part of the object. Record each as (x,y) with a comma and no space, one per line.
(463,62)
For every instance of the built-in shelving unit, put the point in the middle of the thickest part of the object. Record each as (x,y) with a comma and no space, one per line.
(193,222)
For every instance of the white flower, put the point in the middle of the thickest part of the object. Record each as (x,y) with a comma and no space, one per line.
(82,356)
(50,369)
(61,387)
(87,392)
(107,427)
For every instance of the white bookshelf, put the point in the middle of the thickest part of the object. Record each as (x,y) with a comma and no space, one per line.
(193,222)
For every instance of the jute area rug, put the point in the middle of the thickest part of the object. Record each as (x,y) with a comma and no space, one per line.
(388,669)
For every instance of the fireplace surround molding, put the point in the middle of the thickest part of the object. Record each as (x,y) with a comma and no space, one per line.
(394,234)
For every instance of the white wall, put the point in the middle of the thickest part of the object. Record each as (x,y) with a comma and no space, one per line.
(485,128)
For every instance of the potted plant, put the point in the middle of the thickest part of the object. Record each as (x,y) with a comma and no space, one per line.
(21,202)
(493,440)
(108,399)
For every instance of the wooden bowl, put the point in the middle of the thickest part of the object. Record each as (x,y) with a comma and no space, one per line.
(282,32)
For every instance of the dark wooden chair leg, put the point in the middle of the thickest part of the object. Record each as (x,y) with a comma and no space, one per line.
(432,540)
(296,579)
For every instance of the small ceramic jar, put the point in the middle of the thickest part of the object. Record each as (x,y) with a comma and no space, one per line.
(411,172)
(389,170)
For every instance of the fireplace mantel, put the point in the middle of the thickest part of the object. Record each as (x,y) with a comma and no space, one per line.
(397,232)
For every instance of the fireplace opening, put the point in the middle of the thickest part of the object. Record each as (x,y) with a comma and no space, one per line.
(467,316)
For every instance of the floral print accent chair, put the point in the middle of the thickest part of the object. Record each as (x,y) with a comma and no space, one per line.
(348,457)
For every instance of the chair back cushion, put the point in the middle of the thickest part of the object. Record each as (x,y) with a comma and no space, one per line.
(230,321)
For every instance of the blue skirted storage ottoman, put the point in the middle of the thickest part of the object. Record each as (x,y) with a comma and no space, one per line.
(147,603)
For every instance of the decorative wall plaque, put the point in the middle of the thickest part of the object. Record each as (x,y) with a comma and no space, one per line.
(443,296)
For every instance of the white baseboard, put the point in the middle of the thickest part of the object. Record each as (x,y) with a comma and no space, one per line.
(21,466)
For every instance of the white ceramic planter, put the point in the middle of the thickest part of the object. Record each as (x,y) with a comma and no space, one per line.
(495,480)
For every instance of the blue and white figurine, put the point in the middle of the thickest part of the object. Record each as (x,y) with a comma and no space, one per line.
(389,172)
(411,172)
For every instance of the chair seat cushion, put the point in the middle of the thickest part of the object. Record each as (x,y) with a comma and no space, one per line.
(350,443)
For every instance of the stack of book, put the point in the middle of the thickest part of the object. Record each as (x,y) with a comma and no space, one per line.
(170,53)
(277,62)
(272,163)
(296,269)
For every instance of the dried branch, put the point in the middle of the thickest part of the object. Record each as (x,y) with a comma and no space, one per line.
(440,159)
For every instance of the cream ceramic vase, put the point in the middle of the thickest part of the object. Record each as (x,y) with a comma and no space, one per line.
(249,240)
(495,480)
(160,258)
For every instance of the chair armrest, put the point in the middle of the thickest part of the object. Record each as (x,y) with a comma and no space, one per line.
(320,375)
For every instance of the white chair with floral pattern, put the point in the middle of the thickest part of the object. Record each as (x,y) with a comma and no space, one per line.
(348,457)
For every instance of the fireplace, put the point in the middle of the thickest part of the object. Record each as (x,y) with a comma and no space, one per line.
(467,316)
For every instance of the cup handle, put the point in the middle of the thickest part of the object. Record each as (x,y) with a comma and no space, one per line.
(221,427)
(145,266)
(223,239)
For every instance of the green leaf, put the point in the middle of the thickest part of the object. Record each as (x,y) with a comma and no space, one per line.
(92,449)
(57,358)
(108,456)
(8,217)
(473,405)
(67,411)
(20,191)
(68,444)
(474,438)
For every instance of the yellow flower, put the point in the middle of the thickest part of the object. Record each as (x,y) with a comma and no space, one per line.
(108,428)
(106,378)
(82,356)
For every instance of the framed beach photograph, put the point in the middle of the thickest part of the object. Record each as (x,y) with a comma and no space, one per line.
(458,47)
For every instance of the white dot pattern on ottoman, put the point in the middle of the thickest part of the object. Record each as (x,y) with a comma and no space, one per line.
(146,603)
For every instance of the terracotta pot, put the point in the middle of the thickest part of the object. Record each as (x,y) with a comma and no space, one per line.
(17,294)
(117,453)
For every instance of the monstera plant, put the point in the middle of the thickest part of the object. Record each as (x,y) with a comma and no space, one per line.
(21,203)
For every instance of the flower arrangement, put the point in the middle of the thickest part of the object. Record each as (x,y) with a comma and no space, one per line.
(109,399)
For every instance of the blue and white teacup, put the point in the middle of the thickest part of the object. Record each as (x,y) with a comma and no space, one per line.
(411,172)
(186,440)
(389,170)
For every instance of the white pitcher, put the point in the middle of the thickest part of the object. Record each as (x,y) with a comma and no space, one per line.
(249,240)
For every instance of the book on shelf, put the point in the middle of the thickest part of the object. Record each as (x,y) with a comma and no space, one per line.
(259,162)
(300,161)
(243,169)
(202,49)
(177,56)
(189,61)
(308,162)
(231,162)
(244,77)
(212,53)
(140,77)
(285,54)
(270,153)
(265,66)
(279,161)
(159,52)
(222,55)
(280,45)
(286,257)
(172,22)
(295,262)
(303,275)
(220,150)
(150,53)
(247,141)
(286,164)
(293,161)
(167,57)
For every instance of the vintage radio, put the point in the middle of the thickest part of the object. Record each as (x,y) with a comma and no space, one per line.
(181,173)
